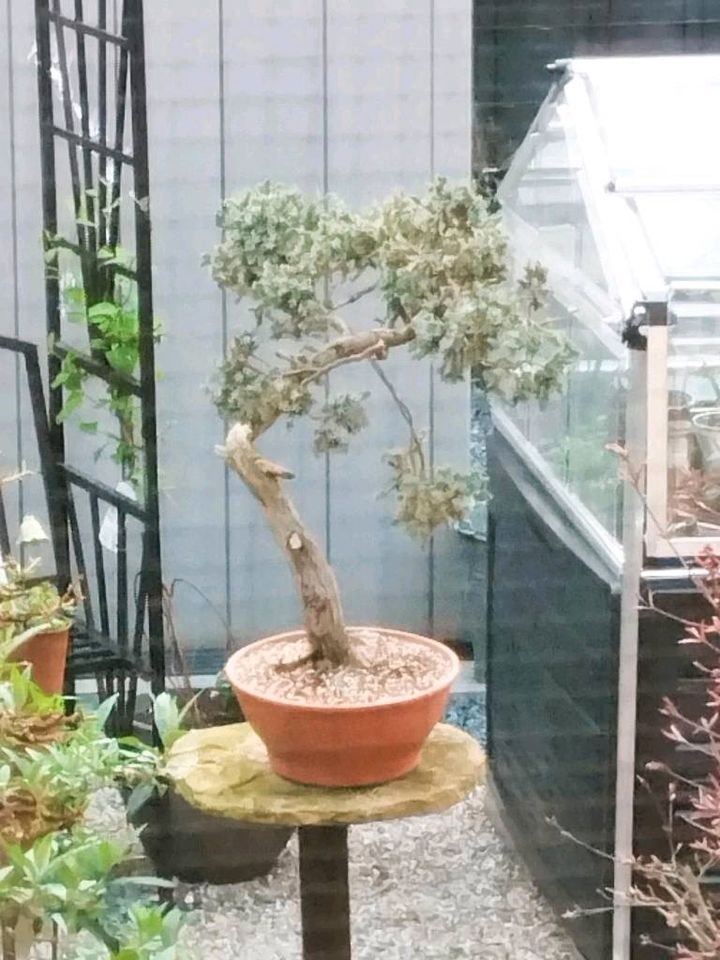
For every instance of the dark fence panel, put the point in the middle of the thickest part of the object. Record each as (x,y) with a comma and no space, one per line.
(515,39)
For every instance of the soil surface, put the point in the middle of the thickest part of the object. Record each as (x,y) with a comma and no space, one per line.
(385,667)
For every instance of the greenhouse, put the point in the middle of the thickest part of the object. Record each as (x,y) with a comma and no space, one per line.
(359,481)
(623,505)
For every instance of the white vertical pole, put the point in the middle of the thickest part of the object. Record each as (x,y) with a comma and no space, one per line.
(633,537)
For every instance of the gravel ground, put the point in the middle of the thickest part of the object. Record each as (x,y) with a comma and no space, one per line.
(441,887)
(467,711)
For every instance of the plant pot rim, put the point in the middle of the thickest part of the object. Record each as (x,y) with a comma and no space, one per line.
(711,412)
(449,675)
(59,632)
(53,630)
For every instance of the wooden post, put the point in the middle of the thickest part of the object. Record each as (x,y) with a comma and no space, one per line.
(324,893)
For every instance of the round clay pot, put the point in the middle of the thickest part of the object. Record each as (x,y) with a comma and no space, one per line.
(47,655)
(345,745)
(196,847)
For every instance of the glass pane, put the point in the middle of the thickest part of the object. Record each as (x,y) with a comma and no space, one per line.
(657,119)
(683,230)
(694,415)
(595,403)
(573,429)
(547,423)
(549,197)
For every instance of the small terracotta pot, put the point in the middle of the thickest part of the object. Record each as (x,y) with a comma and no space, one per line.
(345,745)
(47,655)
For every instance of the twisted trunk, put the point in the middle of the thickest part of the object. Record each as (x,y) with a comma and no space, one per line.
(314,576)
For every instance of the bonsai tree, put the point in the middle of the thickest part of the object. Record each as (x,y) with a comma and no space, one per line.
(438,279)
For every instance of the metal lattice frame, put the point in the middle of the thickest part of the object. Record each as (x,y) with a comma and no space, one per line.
(51,483)
(98,157)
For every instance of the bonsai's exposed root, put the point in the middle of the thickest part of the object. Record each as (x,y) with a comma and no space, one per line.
(312,657)
(321,663)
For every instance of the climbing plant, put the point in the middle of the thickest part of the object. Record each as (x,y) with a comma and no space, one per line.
(102,297)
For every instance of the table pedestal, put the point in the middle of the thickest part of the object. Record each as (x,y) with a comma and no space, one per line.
(225,771)
(324,893)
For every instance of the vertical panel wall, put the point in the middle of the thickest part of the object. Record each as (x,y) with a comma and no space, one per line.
(8,371)
(454,567)
(274,130)
(359,99)
(22,304)
(185,183)
(379,138)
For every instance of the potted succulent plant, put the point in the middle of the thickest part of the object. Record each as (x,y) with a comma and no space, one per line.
(35,623)
(181,841)
(335,704)
(58,875)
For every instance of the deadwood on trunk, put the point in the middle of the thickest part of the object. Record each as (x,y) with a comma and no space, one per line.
(314,576)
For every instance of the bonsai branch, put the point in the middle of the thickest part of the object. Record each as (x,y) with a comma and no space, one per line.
(351,348)
(415,441)
(358,295)
(324,622)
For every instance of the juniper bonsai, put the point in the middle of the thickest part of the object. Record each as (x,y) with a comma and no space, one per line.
(439,281)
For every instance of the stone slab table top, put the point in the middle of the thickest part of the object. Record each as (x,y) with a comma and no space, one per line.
(225,771)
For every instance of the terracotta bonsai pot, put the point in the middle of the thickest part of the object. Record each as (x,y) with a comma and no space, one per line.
(47,655)
(343,745)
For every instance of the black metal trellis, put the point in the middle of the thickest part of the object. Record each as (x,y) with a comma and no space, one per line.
(58,530)
(87,654)
(98,153)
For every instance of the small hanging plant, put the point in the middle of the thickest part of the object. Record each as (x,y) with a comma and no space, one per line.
(438,269)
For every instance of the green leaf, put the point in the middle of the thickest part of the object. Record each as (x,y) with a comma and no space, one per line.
(147,882)
(59,921)
(139,797)
(75,295)
(122,357)
(167,719)
(104,710)
(56,890)
(89,426)
(106,309)
(73,401)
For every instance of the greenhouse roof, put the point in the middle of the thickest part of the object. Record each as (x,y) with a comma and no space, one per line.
(616,186)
